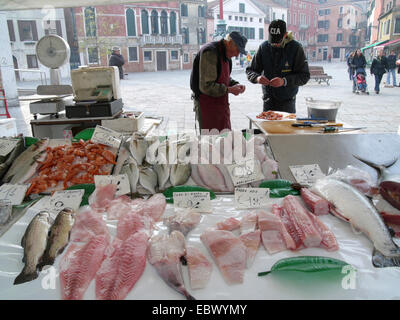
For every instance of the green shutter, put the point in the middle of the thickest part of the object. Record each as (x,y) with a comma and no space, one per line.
(130,23)
(172,22)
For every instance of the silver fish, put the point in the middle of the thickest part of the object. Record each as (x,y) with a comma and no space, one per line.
(132,171)
(163,171)
(389,183)
(152,152)
(7,160)
(148,179)
(352,206)
(180,173)
(58,237)
(138,148)
(25,166)
(34,243)
(164,253)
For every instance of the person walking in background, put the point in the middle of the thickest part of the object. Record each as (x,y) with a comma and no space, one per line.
(398,66)
(350,69)
(378,69)
(117,60)
(280,66)
(391,61)
(358,62)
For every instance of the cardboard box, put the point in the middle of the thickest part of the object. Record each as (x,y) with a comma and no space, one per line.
(128,122)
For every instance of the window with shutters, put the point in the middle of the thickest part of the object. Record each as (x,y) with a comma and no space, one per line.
(27,30)
(174,55)
(202,11)
(147,55)
(164,22)
(261,33)
(388,27)
(340,23)
(32,61)
(184,10)
(397,25)
(241,7)
(133,54)
(52,27)
(11,31)
(186,58)
(185,32)
(336,53)
(339,37)
(172,22)
(130,23)
(93,55)
(90,22)
(154,22)
(145,22)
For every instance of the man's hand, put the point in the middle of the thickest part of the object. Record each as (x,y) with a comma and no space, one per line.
(236,89)
(277,82)
(263,80)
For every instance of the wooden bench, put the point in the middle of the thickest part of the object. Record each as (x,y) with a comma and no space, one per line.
(318,74)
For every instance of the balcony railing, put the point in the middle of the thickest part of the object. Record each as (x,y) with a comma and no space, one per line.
(161,39)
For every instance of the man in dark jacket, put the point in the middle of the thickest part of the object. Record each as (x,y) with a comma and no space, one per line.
(280,66)
(211,82)
(117,60)
(378,68)
(391,61)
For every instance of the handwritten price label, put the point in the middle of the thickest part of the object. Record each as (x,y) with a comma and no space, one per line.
(60,200)
(246,172)
(121,180)
(196,201)
(6,146)
(251,197)
(107,137)
(307,174)
(14,194)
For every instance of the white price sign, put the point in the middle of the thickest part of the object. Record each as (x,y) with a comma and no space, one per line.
(307,174)
(251,197)
(121,180)
(246,172)
(196,201)
(14,194)
(6,146)
(61,200)
(106,136)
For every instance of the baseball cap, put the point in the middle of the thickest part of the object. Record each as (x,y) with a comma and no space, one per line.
(115,49)
(276,30)
(239,40)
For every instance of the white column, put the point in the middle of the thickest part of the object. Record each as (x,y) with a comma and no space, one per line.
(9,83)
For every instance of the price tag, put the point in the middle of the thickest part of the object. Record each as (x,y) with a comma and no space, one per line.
(6,146)
(307,174)
(121,180)
(68,134)
(60,200)
(197,201)
(14,194)
(251,197)
(246,172)
(107,137)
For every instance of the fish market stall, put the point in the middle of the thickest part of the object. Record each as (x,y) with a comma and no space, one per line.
(212,217)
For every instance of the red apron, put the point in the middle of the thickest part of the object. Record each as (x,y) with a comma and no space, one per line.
(214,111)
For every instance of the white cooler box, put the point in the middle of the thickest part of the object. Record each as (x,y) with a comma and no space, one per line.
(8,127)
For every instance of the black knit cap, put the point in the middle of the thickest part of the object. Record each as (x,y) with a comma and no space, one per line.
(276,30)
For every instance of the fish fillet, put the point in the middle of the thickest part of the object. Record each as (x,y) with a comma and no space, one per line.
(252,241)
(122,268)
(79,266)
(118,207)
(88,223)
(155,206)
(328,238)
(102,196)
(315,203)
(229,253)
(248,223)
(199,266)
(309,235)
(228,224)
(183,221)
(212,176)
(132,222)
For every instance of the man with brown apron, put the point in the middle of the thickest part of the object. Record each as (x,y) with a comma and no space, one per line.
(211,82)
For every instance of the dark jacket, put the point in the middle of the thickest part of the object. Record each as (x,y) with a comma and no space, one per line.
(379,65)
(358,62)
(217,48)
(287,62)
(391,61)
(117,60)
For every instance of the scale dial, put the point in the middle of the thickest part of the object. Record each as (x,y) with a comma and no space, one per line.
(52,51)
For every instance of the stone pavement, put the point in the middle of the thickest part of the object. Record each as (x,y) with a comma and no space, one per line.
(168,94)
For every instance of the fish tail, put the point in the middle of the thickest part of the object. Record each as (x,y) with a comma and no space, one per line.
(381,261)
(26,276)
(377,167)
(46,261)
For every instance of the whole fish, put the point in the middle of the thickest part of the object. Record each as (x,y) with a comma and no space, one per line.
(138,148)
(148,179)
(34,243)
(351,205)
(152,152)
(58,237)
(164,253)
(163,171)
(26,165)
(180,173)
(132,170)
(389,183)
(6,161)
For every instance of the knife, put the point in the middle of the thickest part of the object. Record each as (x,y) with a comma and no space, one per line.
(314,124)
(336,129)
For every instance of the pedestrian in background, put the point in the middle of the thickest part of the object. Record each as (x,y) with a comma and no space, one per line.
(350,69)
(398,66)
(378,68)
(117,60)
(391,61)
(358,63)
